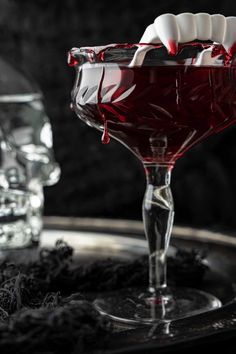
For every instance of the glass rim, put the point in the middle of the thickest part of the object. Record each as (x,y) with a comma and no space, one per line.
(123,53)
(114,46)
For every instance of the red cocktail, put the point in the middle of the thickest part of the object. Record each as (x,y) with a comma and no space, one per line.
(158,112)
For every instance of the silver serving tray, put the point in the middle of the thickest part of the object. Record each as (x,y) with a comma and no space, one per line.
(121,239)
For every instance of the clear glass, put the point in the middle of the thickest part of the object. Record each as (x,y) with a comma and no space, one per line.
(158,106)
(27,161)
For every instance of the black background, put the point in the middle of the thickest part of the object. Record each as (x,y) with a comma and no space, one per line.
(107,181)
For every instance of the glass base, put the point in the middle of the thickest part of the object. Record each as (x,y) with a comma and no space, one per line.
(130,306)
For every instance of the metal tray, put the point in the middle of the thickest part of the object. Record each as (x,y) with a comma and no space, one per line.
(97,238)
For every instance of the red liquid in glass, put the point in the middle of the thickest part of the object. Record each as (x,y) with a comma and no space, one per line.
(158,112)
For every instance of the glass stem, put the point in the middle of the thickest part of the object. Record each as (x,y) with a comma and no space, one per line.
(158,216)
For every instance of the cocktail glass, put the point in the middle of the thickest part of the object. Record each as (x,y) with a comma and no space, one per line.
(158,111)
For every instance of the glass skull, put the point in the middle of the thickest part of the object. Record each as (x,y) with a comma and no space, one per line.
(26,159)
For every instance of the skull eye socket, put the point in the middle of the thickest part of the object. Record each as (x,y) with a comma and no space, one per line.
(22,136)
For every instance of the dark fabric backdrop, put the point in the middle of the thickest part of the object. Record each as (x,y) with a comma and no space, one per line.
(100,180)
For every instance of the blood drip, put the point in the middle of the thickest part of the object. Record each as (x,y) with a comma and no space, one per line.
(105,136)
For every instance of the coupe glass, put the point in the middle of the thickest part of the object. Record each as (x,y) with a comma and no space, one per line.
(158,111)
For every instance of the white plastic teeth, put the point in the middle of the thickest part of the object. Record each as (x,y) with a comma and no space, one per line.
(186,27)
(167,29)
(218,25)
(150,35)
